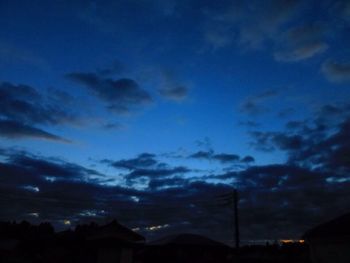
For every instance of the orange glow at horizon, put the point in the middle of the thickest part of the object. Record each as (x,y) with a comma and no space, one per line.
(288,241)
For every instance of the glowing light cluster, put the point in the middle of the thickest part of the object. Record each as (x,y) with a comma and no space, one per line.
(289,241)
(156,228)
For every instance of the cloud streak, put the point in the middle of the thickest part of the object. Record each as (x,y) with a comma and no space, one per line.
(16,130)
(338,72)
(22,108)
(120,95)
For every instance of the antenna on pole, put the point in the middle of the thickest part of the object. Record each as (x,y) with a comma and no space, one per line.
(236,219)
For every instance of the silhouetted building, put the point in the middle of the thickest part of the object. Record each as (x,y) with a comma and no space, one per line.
(114,243)
(186,248)
(8,248)
(330,242)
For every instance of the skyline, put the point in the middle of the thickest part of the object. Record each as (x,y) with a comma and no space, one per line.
(147,111)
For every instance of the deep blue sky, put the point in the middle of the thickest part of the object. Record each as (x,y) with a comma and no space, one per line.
(134,105)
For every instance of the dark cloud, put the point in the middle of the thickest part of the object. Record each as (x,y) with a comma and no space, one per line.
(255,105)
(271,196)
(250,124)
(112,126)
(121,95)
(301,52)
(158,183)
(116,67)
(269,140)
(248,159)
(286,112)
(22,107)
(202,155)
(172,88)
(330,110)
(318,142)
(330,152)
(338,72)
(276,196)
(24,104)
(224,158)
(64,190)
(16,130)
(143,160)
(301,134)
(177,93)
(160,172)
(253,108)
(50,167)
(301,43)
(249,24)
(11,53)
(295,124)
(266,94)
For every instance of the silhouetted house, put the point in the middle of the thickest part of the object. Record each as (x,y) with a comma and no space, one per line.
(186,248)
(330,242)
(114,243)
(8,249)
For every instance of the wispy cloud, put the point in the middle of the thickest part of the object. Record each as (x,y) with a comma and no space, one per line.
(16,130)
(338,72)
(22,107)
(120,95)
(255,105)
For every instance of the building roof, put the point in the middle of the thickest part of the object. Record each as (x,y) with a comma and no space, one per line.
(336,228)
(116,231)
(187,239)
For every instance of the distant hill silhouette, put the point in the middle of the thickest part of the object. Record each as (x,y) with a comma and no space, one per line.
(338,227)
(187,239)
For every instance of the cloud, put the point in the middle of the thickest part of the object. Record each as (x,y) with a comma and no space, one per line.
(285,112)
(175,93)
(338,72)
(278,196)
(113,126)
(68,191)
(314,143)
(23,103)
(218,38)
(250,124)
(22,107)
(302,42)
(50,167)
(267,141)
(12,54)
(116,67)
(159,172)
(171,88)
(120,95)
(202,155)
(16,130)
(159,183)
(141,161)
(248,159)
(224,158)
(254,105)
(302,52)
(267,21)
(250,25)
(283,195)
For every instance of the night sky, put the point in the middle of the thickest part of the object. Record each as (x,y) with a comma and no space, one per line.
(151,111)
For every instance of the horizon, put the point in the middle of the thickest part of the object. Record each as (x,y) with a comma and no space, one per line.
(152,112)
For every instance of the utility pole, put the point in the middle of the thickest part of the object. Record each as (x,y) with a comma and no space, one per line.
(235,206)
(230,199)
